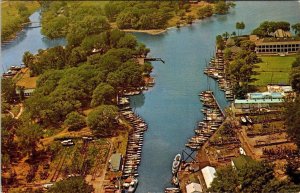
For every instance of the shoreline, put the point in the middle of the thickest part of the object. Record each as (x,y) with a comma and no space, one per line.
(150,31)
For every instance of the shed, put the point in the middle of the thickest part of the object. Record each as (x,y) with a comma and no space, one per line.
(115,162)
(193,188)
(209,174)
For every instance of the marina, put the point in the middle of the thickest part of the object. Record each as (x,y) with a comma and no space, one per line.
(213,118)
(216,70)
(171,108)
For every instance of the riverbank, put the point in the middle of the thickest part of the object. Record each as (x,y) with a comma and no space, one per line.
(13,16)
(151,32)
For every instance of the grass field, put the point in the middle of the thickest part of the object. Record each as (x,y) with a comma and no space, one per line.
(274,69)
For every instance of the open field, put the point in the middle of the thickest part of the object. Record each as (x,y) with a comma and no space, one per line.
(274,69)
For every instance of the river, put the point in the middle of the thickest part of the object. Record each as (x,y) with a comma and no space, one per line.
(172,107)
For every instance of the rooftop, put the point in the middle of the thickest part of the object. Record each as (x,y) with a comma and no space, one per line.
(115,161)
(24,80)
(209,175)
(257,101)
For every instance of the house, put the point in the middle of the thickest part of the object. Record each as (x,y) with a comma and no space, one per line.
(240,162)
(209,174)
(115,162)
(24,82)
(194,188)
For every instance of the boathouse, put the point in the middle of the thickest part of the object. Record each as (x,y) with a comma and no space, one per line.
(209,174)
(115,162)
(194,188)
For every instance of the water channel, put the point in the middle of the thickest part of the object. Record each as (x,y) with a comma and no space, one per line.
(172,107)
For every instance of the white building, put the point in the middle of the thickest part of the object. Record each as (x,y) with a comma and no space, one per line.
(209,174)
(193,188)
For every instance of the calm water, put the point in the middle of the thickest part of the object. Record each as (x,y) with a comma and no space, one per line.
(31,40)
(172,107)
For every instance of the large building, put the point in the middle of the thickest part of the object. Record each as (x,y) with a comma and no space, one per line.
(276,45)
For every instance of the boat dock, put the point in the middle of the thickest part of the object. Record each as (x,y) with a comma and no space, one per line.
(216,70)
(213,118)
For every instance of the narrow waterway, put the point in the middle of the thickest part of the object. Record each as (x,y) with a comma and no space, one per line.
(30,39)
(171,107)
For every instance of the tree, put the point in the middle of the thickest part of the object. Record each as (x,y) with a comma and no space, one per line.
(74,121)
(8,89)
(296,63)
(73,184)
(111,11)
(292,119)
(128,41)
(226,180)
(27,58)
(252,176)
(239,26)
(221,7)
(220,42)
(205,11)
(189,19)
(295,79)
(102,120)
(28,137)
(296,28)
(103,94)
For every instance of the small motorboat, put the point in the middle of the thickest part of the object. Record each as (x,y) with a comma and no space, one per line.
(176,163)
(243,119)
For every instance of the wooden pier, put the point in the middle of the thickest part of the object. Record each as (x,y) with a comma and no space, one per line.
(221,110)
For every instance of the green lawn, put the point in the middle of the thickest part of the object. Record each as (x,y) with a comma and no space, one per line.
(274,69)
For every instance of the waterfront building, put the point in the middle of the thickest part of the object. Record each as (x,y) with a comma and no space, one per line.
(275,46)
(265,95)
(247,104)
(115,162)
(24,82)
(194,188)
(209,174)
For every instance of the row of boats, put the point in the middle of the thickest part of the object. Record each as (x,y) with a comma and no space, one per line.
(213,118)
(12,71)
(216,70)
(135,144)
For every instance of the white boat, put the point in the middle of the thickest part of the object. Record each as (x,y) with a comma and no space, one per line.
(176,163)
(131,184)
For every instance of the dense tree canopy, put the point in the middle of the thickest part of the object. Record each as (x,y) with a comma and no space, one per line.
(103,94)
(268,27)
(254,176)
(205,11)
(292,119)
(102,120)
(74,121)
(8,89)
(296,28)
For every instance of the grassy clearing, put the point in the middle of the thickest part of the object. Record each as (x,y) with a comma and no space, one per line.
(274,69)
